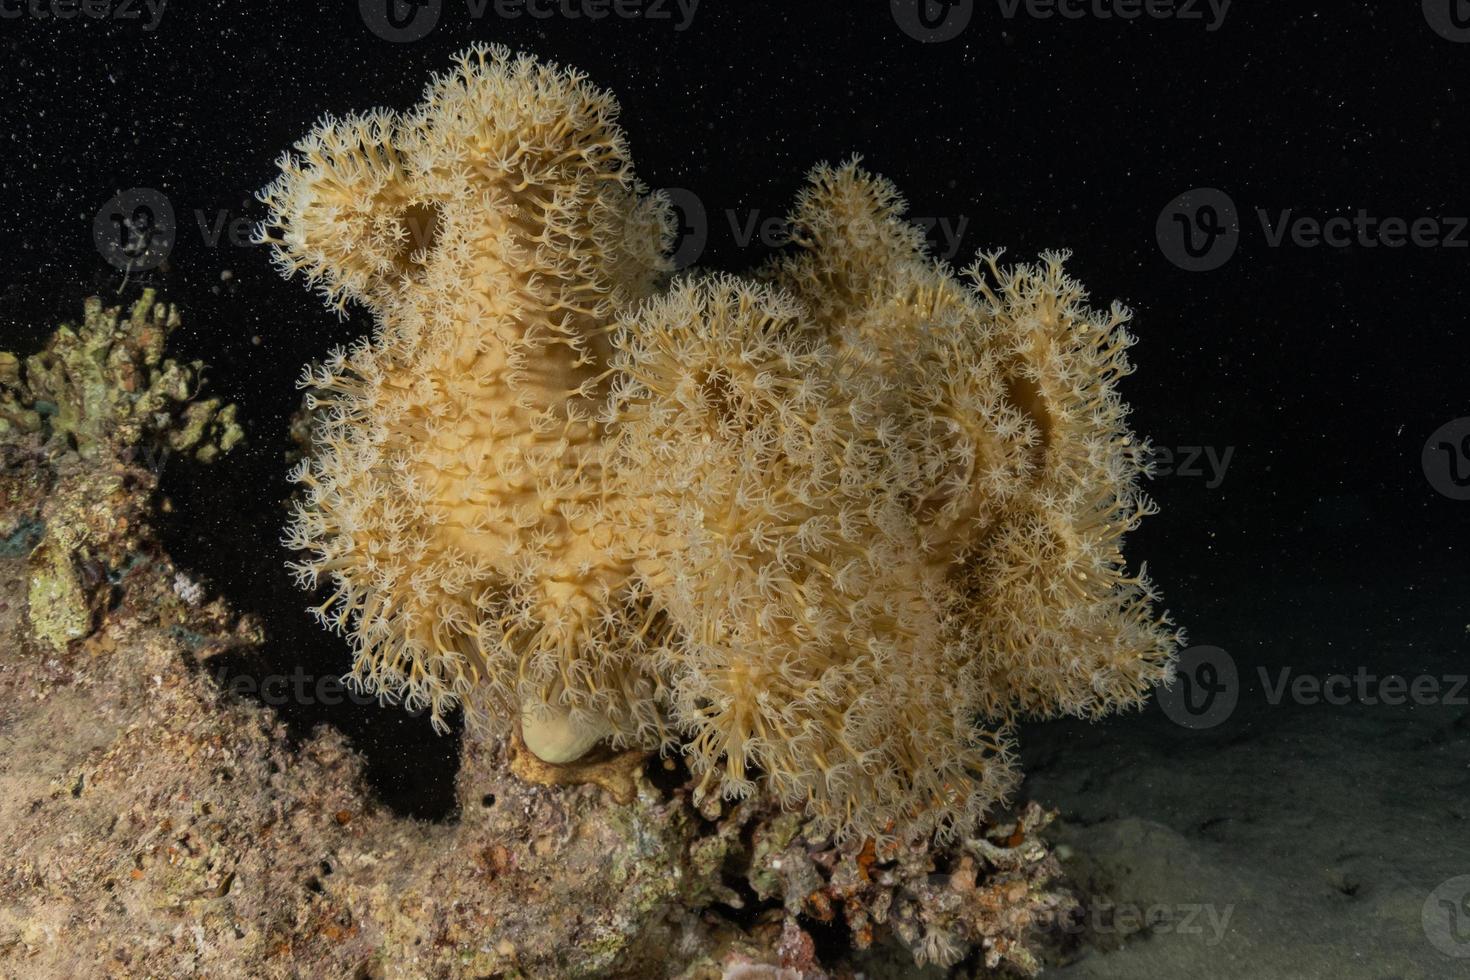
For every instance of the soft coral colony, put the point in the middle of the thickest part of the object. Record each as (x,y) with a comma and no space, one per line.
(827,529)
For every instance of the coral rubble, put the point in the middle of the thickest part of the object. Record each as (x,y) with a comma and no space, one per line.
(828,530)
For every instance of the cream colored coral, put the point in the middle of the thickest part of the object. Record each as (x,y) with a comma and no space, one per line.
(1089,642)
(811,641)
(874,291)
(454,503)
(1011,399)
(829,530)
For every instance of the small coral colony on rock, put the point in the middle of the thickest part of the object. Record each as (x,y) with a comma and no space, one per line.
(826,529)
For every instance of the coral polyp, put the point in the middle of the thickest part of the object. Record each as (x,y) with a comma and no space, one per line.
(827,529)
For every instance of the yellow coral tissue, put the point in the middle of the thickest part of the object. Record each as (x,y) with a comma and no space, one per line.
(827,529)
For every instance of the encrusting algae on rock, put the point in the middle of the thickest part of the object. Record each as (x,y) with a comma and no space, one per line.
(91,414)
(105,386)
(828,530)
